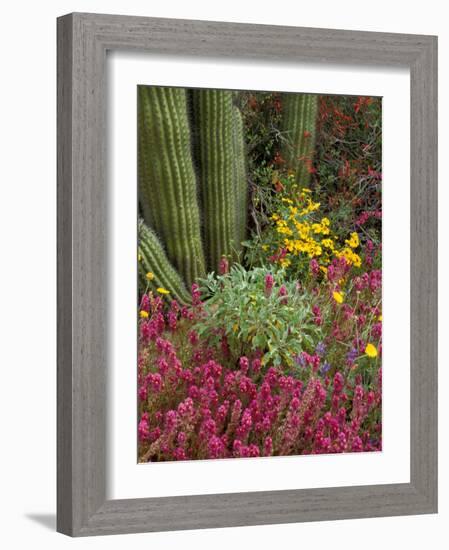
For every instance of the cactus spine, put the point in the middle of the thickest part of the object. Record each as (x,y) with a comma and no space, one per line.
(168,192)
(152,258)
(220,151)
(299,112)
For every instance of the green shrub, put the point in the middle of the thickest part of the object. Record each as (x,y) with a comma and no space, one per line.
(258,312)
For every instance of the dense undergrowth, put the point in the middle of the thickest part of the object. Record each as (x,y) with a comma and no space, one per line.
(279,352)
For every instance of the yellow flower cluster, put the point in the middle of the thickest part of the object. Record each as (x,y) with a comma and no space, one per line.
(303,246)
(282,227)
(349,255)
(310,207)
(353,241)
(304,235)
(285,262)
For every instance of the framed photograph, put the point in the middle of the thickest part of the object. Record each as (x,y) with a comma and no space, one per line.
(247,274)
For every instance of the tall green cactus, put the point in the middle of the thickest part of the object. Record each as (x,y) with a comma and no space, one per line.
(299,113)
(220,151)
(240,178)
(168,191)
(153,259)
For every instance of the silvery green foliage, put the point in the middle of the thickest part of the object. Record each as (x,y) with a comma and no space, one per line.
(255,316)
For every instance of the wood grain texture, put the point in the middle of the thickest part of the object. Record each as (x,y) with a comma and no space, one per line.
(83,40)
(64,276)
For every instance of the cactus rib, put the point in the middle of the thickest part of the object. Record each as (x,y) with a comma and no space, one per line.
(240,180)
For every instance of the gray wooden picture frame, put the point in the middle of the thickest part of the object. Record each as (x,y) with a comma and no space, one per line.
(83,40)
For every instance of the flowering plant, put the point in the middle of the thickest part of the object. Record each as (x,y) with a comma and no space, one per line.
(260,282)
(194,404)
(300,233)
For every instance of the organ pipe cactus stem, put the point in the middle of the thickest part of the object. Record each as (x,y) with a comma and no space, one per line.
(167,183)
(155,270)
(222,178)
(299,113)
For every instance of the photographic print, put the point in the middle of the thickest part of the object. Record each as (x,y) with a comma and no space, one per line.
(259,261)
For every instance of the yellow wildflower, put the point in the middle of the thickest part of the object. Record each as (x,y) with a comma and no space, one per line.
(315,249)
(350,256)
(356,260)
(371,350)
(163,290)
(139,257)
(282,228)
(328,243)
(150,276)
(379,318)
(311,207)
(353,241)
(289,245)
(235,327)
(338,297)
(143,314)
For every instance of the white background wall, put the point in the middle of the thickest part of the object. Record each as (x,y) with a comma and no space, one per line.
(27,273)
